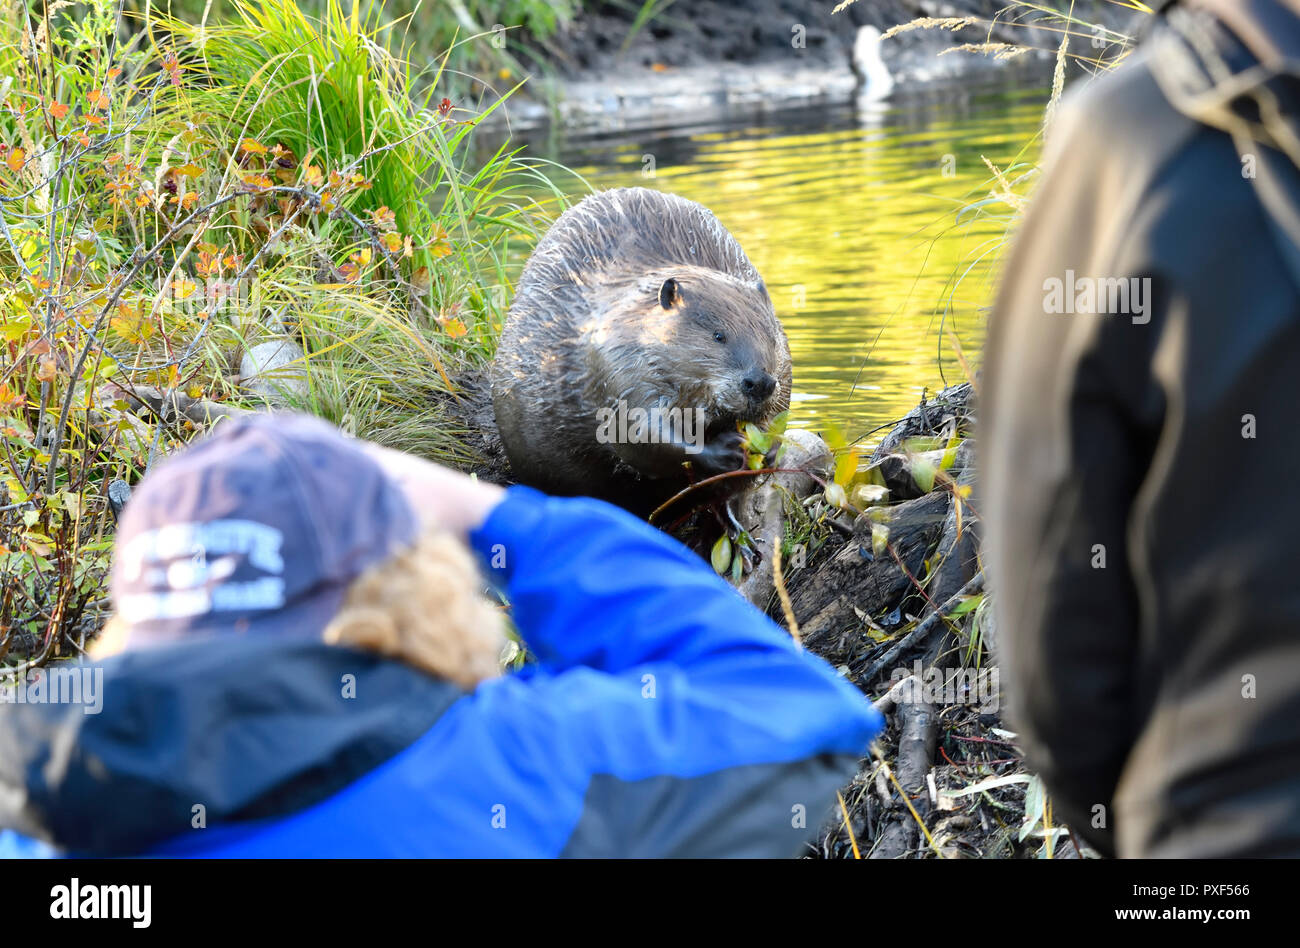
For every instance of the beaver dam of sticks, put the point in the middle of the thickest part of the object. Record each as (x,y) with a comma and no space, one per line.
(894,598)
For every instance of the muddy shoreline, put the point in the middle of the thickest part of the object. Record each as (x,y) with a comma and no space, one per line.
(731,59)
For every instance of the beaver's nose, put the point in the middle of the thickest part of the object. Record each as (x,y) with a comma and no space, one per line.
(758,385)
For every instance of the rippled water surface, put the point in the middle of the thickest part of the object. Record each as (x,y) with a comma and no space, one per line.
(855,220)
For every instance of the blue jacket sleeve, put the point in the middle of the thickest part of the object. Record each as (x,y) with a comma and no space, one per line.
(687,722)
(592,585)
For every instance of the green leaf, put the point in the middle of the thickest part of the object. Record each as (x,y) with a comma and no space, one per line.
(17,493)
(879,538)
(777,426)
(922,443)
(721,555)
(14,327)
(971,208)
(835,439)
(71,503)
(950,455)
(923,473)
(846,465)
(966,605)
(1035,806)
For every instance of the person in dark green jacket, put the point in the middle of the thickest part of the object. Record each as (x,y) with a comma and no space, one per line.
(1139,440)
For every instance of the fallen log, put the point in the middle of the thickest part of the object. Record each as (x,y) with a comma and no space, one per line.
(830,600)
(918,728)
(950,412)
(913,474)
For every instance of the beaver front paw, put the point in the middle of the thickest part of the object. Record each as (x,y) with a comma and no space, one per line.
(723,453)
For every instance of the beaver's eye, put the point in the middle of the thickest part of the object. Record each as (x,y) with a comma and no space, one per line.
(720,336)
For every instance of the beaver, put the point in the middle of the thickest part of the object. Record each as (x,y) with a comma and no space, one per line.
(639,338)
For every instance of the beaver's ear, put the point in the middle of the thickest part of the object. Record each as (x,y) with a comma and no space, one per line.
(669,293)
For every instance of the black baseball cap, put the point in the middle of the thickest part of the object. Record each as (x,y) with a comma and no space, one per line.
(258,528)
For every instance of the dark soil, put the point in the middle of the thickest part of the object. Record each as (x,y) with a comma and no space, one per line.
(711,33)
(715,31)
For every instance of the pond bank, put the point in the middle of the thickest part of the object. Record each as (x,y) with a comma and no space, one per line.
(732,58)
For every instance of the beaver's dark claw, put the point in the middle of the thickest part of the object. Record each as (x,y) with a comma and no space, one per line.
(723,453)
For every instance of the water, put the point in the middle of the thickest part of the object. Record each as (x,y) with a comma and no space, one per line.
(852,218)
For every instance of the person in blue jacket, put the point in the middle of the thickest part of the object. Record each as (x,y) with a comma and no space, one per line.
(268,701)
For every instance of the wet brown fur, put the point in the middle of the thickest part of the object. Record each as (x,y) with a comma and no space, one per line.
(587,329)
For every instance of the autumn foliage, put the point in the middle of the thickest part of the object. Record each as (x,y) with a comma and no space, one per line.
(169,196)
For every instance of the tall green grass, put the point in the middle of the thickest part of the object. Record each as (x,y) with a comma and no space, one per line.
(481,46)
(382,357)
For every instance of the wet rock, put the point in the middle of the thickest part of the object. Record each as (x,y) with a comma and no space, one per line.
(762,508)
(119,492)
(275,371)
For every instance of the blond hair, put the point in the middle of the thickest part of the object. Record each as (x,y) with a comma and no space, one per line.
(423,607)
